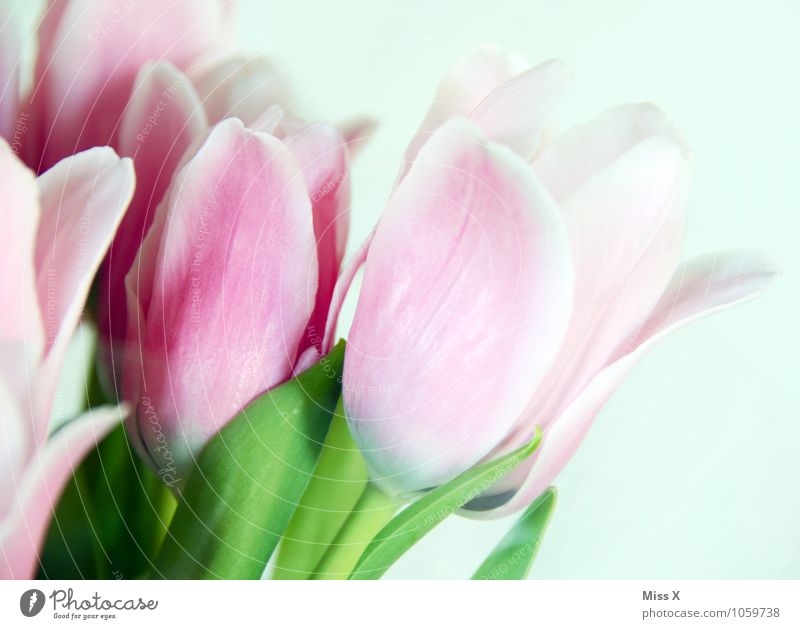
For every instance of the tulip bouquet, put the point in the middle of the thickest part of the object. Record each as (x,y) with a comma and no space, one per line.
(515,277)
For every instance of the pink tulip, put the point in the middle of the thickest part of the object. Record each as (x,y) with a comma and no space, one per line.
(90,52)
(56,230)
(171,114)
(221,293)
(151,79)
(514,279)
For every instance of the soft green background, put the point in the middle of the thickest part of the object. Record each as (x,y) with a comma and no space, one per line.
(692,470)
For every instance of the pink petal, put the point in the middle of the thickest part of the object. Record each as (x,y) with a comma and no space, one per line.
(586,150)
(471,80)
(20,319)
(343,283)
(625,224)
(321,152)
(268,121)
(83,200)
(227,301)
(15,433)
(312,354)
(465,299)
(241,87)
(11,126)
(23,527)
(162,120)
(90,55)
(517,113)
(700,287)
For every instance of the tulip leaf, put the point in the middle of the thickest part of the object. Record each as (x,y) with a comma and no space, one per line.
(248,479)
(111,518)
(413,523)
(513,557)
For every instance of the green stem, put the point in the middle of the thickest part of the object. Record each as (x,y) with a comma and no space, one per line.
(95,394)
(370,515)
(336,487)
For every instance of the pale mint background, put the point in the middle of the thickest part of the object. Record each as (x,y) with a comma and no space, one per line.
(692,470)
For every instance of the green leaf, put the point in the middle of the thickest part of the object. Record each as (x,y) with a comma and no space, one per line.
(410,525)
(110,519)
(337,485)
(249,478)
(513,557)
(113,512)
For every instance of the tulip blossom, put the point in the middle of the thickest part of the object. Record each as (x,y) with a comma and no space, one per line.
(220,295)
(515,278)
(151,80)
(89,56)
(56,230)
(169,116)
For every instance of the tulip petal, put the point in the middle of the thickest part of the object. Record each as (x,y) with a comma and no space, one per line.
(20,319)
(268,121)
(349,270)
(700,287)
(15,441)
(10,59)
(241,87)
(626,226)
(162,120)
(321,152)
(227,303)
(83,200)
(91,53)
(517,113)
(469,82)
(23,527)
(343,283)
(468,236)
(588,149)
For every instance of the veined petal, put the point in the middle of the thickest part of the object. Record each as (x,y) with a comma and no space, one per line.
(83,200)
(241,87)
(465,299)
(700,287)
(23,526)
(163,118)
(91,52)
(468,83)
(228,300)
